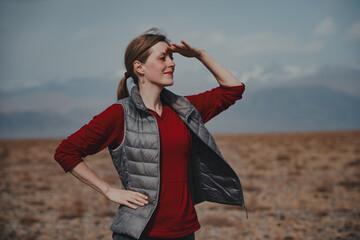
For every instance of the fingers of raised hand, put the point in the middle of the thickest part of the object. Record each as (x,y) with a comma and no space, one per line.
(173,48)
(177,45)
(184,49)
(185,44)
(170,48)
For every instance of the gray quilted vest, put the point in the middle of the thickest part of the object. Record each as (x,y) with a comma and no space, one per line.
(210,177)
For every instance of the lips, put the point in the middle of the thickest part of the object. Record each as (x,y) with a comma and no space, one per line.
(170,73)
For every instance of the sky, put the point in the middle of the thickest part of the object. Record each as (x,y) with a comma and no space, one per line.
(47,44)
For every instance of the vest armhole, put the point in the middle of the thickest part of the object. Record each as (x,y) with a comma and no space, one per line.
(123,137)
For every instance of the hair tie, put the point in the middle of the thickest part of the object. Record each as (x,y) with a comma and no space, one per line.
(126,74)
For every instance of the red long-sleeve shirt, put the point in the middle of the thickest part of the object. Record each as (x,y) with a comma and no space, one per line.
(175,215)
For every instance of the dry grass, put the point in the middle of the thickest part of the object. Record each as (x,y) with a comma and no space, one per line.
(296,186)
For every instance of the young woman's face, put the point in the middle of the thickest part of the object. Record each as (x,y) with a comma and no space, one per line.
(159,67)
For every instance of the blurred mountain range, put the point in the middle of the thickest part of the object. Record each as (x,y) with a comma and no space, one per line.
(287,109)
(277,109)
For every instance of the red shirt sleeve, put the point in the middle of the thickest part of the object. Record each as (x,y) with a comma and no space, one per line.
(105,129)
(213,102)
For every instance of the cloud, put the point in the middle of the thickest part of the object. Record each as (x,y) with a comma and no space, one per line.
(254,73)
(325,28)
(266,43)
(274,43)
(260,43)
(267,74)
(216,38)
(343,78)
(353,32)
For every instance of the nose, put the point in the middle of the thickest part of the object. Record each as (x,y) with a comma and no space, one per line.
(171,63)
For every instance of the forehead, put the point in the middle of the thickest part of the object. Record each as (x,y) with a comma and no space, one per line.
(158,48)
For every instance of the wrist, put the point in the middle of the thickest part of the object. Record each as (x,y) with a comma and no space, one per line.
(201,55)
(106,189)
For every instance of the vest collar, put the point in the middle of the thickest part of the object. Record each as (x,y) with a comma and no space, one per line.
(180,104)
(137,100)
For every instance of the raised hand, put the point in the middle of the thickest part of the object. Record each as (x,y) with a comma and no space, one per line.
(185,50)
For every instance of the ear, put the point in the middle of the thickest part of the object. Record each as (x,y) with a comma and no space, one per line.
(138,67)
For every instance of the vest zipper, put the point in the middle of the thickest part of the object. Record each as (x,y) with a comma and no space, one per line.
(158,192)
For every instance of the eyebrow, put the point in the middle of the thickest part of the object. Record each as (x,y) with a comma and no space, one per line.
(165,53)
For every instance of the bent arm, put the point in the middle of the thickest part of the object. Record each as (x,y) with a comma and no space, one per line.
(106,129)
(222,75)
(213,102)
(82,172)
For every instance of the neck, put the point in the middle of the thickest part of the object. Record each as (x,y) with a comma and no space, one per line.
(150,95)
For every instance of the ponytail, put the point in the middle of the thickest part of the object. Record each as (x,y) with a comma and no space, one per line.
(122,91)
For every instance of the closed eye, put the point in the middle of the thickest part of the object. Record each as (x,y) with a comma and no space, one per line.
(163,58)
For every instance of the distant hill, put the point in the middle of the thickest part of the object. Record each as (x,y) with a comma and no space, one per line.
(34,125)
(279,109)
(282,109)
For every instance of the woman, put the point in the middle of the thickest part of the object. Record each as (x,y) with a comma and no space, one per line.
(166,158)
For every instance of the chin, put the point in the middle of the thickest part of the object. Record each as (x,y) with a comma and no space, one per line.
(168,84)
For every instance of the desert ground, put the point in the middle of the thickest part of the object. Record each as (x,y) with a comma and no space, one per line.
(296,186)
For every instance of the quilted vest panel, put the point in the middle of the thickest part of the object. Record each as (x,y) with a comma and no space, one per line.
(137,162)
